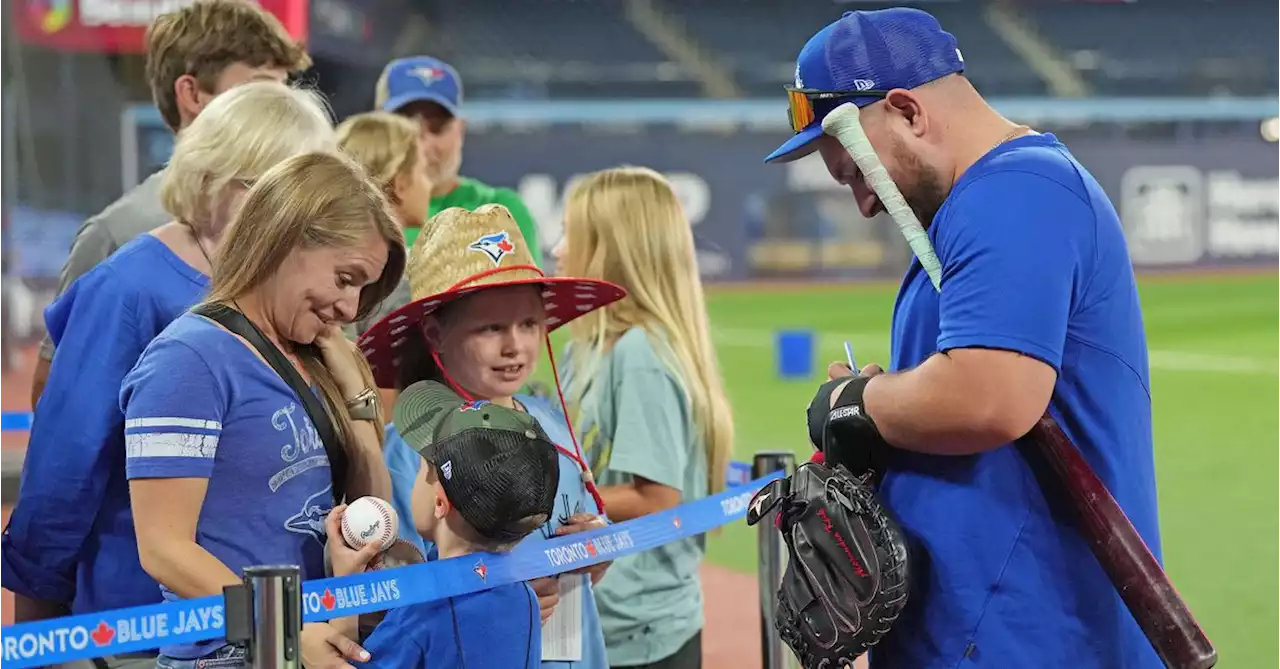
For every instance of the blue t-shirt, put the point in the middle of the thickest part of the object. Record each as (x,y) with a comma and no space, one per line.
(1034,261)
(497,628)
(571,497)
(201,404)
(70,538)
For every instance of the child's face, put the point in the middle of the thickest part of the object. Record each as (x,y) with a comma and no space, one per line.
(428,501)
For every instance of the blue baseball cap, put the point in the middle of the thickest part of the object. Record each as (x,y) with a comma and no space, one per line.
(873,51)
(419,79)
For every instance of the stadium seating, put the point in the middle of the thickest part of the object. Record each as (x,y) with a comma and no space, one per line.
(759,40)
(552,48)
(1168,47)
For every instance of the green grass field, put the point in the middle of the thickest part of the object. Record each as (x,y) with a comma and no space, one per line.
(1214,384)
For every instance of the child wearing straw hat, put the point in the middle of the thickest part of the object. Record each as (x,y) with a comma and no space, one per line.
(481,314)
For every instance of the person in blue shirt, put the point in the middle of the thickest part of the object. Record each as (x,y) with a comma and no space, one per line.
(481,313)
(1038,310)
(490,478)
(227,468)
(70,538)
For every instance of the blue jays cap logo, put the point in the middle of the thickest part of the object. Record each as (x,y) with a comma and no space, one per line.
(473,405)
(497,246)
(428,75)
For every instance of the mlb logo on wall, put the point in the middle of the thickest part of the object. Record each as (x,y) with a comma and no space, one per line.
(497,246)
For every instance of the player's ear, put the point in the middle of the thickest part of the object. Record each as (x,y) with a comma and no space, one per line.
(903,105)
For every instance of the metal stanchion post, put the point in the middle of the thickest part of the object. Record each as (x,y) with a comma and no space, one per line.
(773,560)
(276,593)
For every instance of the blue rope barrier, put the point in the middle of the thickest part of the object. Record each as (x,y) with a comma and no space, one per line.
(149,627)
(15,421)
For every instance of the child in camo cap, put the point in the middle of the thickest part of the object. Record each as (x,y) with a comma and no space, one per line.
(489,479)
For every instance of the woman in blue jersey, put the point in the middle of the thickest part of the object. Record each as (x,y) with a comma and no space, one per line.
(71,536)
(645,391)
(226,460)
(479,321)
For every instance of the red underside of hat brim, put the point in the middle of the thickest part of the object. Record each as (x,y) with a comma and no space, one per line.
(566,298)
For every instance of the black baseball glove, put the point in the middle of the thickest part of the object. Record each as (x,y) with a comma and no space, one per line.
(847,575)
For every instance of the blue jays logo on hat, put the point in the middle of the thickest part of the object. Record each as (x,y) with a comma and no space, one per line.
(473,405)
(428,75)
(497,246)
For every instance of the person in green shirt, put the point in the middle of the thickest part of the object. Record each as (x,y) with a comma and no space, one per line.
(429,91)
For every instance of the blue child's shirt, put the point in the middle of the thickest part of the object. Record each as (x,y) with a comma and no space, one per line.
(497,628)
(1034,261)
(201,404)
(571,497)
(70,538)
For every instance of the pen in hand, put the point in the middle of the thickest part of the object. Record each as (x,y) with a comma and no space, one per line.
(848,353)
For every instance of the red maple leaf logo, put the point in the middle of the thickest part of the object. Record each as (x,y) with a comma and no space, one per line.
(676,521)
(328,600)
(102,634)
(506,246)
(591,548)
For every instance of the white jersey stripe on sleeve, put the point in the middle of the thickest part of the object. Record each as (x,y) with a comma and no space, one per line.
(196,423)
(170,445)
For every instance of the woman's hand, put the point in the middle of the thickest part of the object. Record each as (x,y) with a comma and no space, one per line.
(547,589)
(583,522)
(344,559)
(340,357)
(324,647)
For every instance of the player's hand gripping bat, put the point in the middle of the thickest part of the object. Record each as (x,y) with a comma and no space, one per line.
(1062,471)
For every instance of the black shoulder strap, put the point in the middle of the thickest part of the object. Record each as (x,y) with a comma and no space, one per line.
(235,322)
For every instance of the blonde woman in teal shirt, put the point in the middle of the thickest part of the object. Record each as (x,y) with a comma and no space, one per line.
(647,401)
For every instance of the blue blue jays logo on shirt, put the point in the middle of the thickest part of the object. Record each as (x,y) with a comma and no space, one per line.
(497,246)
(310,520)
(473,405)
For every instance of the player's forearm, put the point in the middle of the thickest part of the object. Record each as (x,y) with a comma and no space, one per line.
(38,380)
(936,408)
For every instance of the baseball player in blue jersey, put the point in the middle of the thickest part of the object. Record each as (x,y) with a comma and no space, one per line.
(1021,298)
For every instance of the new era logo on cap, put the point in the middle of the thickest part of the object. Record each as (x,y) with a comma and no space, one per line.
(446,470)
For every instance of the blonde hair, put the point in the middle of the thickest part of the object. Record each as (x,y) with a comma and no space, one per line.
(238,137)
(385,144)
(626,226)
(317,199)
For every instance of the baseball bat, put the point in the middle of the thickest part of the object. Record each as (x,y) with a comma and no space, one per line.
(1147,592)
(1059,467)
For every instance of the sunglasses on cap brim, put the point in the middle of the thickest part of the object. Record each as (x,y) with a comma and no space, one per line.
(804,103)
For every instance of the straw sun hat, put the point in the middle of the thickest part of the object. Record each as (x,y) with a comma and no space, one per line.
(460,252)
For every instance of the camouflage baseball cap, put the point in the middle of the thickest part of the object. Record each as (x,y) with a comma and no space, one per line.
(497,466)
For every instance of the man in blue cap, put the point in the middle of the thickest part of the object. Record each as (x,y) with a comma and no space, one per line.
(429,90)
(1037,309)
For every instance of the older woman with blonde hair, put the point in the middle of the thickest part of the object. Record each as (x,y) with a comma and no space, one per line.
(74,510)
(264,362)
(645,391)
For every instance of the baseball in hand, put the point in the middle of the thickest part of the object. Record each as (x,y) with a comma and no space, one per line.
(369,520)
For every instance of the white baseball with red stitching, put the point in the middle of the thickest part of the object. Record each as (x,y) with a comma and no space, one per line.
(367,520)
